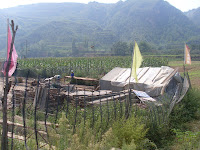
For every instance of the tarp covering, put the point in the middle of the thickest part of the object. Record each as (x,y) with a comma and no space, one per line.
(152,80)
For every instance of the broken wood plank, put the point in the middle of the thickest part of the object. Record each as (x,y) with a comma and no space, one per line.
(81,78)
(103,100)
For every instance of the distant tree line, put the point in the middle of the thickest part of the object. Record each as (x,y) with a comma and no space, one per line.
(77,48)
(123,48)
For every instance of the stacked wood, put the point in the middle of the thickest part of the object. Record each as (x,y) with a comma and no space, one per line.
(53,96)
(19,93)
(84,88)
(82,98)
(111,97)
(19,96)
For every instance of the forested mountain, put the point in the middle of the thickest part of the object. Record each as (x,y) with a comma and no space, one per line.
(58,29)
(194,15)
(150,20)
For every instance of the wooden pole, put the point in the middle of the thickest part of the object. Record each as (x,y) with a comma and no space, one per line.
(131,69)
(129,90)
(4,140)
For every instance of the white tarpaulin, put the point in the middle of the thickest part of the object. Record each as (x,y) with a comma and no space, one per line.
(152,80)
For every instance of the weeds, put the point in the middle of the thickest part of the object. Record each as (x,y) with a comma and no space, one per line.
(186,110)
(186,140)
(144,129)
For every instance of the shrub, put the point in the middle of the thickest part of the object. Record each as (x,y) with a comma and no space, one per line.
(186,110)
(186,140)
(129,130)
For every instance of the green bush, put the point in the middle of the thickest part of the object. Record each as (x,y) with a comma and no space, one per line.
(186,110)
(123,133)
(186,140)
(183,112)
(160,134)
(129,130)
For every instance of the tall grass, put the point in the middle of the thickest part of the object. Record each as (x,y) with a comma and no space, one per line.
(139,131)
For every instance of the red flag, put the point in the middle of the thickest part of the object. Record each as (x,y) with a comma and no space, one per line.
(187,55)
(14,56)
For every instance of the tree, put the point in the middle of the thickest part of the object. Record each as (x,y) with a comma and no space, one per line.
(120,48)
(75,51)
(145,47)
(86,44)
(130,49)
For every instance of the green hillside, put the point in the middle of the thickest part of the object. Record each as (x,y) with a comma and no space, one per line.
(65,29)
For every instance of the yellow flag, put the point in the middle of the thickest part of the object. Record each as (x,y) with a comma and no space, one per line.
(137,61)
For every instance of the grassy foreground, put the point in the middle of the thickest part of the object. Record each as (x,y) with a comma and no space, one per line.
(141,131)
(180,131)
(188,132)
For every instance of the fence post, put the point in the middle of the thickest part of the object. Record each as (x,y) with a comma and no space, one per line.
(100,107)
(76,101)
(92,110)
(67,101)
(151,117)
(162,114)
(129,103)
(120,102)
(46,109)
(35,115)
(154,114)
(13,109)
(58,103)
(23,110)
(115,112)
(157,109)
(126,105)
(84,108)
(107,107)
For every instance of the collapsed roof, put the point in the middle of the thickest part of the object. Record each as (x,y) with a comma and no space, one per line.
(155,81)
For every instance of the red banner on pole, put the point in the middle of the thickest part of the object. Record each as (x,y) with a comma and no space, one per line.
(14,56)
(187,55)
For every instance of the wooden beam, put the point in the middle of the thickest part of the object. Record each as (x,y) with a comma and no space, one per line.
(82,78)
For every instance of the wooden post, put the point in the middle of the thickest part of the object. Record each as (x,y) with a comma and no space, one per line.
(4,140)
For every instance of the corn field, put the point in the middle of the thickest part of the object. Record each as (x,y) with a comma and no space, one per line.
(94,67)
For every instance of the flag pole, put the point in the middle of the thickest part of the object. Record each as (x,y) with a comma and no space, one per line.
(129,90)
(131,69)
(4,139)
(184,59)
(136,63)
(7,36)
(184,54)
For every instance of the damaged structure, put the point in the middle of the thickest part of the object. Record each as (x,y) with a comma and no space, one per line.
(153,84)
(154,81)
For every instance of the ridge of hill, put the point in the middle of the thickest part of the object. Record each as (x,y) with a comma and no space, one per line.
(51,28)
(194,15)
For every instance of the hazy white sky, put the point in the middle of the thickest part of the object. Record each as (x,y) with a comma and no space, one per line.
(183,5)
